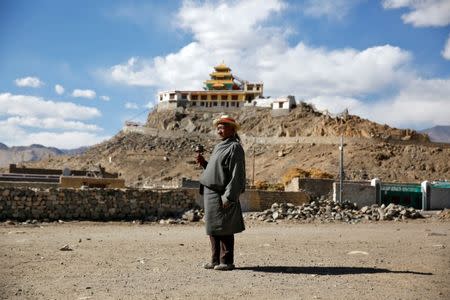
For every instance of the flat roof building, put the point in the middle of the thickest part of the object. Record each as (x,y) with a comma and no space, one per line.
(223,91)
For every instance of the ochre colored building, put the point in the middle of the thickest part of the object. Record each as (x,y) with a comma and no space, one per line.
(223,91)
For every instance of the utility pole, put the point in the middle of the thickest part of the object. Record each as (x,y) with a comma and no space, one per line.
(341,168)
(253,167)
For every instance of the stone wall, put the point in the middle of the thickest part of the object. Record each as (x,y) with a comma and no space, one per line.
(120,204)
(26,184)
(92,204)
(257,200)
(361,193)
(314,187)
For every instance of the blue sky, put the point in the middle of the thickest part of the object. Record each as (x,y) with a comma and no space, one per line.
(72,72)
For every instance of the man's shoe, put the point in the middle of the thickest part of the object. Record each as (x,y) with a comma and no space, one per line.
(210,265)
(224,267)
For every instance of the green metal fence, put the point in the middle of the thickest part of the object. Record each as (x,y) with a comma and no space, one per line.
(409,195)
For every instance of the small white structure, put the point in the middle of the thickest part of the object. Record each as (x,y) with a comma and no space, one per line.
(260,102)
(287,102)
(283,105)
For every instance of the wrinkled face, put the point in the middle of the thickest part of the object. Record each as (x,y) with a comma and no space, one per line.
(225,131)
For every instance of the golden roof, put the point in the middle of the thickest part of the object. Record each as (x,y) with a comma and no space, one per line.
(213,81)
(222,67)
(220,74)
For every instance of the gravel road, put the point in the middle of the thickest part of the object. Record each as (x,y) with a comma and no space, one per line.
(122,260)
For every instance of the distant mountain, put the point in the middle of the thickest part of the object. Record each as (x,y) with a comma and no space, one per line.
(17,154)
(438,134)
(76,151)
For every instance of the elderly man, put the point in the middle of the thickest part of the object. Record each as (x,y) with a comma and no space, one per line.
(223,180)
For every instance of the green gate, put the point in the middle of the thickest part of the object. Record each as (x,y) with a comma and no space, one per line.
(409,195)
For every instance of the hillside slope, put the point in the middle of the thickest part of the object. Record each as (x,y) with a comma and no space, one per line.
(439,134)
(35,152)
(305,138)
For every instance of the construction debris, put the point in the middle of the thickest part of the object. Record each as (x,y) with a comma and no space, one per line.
(329,211)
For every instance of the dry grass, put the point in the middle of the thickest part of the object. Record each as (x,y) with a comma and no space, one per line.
(311,173)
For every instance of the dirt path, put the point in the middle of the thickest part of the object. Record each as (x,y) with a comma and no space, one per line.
(395,260)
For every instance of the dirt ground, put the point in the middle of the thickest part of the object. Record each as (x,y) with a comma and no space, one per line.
(122,260)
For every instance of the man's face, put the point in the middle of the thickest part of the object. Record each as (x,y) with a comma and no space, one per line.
(225,131)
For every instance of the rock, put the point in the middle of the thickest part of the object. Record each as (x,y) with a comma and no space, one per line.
(66,248)
(364,209)
(275,215)
(191,216)
(356,252)
(381,214)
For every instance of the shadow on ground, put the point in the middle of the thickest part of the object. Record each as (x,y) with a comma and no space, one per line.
(325,270)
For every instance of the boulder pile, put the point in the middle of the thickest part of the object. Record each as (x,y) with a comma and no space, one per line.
(329,211)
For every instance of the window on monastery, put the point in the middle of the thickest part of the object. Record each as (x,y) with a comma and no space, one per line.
(202,103)
(280,105)
(223,97)
(194,103)
(233,104)
(172,96)
(222,103)
(194,97)
(213,97)
(257,87)
(203,97)
(214,103)
(183,96)
(160,97)
(234,97)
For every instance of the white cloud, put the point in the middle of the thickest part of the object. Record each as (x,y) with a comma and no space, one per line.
(27,116)
(423,12)
(335,9)
(255,51)
(446,51)
(90,94)
(134,72)
(105,98)
(309,72)
(213,44)
(336,104)
(49,123)
(131,105)
(59,89)
(207,22)
(258,52)
(62,140)
(31,106)
(420,102)
(33,82)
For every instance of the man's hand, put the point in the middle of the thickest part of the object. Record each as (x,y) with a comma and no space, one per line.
(201,160)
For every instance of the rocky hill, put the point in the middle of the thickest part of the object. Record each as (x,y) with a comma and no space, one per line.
(34,152)
(163,150)
(438,134)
